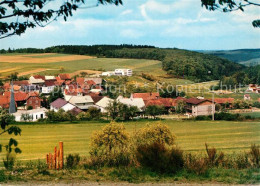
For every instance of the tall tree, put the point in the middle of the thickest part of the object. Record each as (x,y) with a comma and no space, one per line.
(231,5)
(18,15)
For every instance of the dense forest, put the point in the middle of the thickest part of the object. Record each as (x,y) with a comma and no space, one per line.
(176,62)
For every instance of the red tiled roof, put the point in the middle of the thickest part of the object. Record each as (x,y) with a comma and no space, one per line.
(96,98)
(21,83)
(32,94)
(72,91)
(80,81)
(196,101)
(49,83)
(58,103)
(146,96)
(166,102)
(91,82)
(18,96)
(39,77)
(258,99)
(64,76)
(4,101)
(224,100)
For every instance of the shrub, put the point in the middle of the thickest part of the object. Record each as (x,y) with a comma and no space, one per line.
(203,118)
(241,161)
(29,107)
(228,116)
(154,133)
(160,159)
(194,164)
(110,146)
(94,113)
(214,159)
(254,156)
(84,116)
(2,176)
(72,161)
(9,161)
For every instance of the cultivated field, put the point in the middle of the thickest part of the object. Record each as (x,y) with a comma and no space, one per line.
(39,139)
(50,64)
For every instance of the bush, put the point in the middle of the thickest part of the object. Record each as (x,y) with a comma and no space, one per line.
(229,116)
(84,116)
(9,161)
(94,113)
(160,159)
(72,161)
(214,159)
(29,107)
(2,176)
(110,146)
(203,118)
(154,133)
(194,164)
(254,156)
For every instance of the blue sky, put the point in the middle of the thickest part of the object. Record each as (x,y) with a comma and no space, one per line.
(162,23)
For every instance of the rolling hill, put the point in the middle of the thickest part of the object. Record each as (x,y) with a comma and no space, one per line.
(248,57)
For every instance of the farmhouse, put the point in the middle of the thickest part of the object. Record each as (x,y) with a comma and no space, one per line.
(65,77)
(146,96)
(225,102)
(37,80)
(35,114)
(82,102)
(200,107)
(103,103)
(138,102)
(247,97)
(123,72)
(33,100)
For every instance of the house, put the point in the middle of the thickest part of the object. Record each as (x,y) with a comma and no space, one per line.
(37,80)
(224,102)
(48,86)
(168,103)
(65,77)
(39,113)
(108,73)
(33,100)
(247,97)
(103,103)
(200,107)
(138,102)
(19,97)
(96,80)
(254,88)
(82,102)
(61,104)
(59,82)
(4,102)
(146,96)
(123,72)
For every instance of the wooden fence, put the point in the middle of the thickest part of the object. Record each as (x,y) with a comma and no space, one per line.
(56,160)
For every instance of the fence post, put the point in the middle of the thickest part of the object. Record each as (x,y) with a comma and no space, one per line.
(55,158)
(61,154)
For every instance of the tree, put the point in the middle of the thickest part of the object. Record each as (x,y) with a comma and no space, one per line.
(17,16)
(5,120)
(180,108)
(154,110)
(127,112)
(229,6)
(55,94)
(83,74)
(94,112)
(113,109)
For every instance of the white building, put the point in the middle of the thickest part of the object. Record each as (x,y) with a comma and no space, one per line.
(108,73)
(47,90)
(103,103)
(123,72)
(61,104)
(35,81)
(82,102)
(35,114)
(138,102)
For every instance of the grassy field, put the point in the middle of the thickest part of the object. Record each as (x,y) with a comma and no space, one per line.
(39,139)
(50,64)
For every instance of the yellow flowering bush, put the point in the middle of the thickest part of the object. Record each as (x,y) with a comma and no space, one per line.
(155,133)
(110,145)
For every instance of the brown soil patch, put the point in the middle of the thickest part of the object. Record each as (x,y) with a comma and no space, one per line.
(87,71)
(27,59)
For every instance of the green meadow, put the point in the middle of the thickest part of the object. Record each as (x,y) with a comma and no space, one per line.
(231,137)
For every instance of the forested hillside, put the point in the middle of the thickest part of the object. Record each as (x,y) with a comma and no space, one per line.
(176,62)
(248,57)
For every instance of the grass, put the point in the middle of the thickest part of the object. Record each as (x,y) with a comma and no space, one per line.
(252,114)
(39,139)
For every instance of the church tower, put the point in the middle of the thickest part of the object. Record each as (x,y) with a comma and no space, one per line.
(12,107)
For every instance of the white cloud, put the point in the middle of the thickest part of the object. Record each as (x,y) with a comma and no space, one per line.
(129,11)
(130,33)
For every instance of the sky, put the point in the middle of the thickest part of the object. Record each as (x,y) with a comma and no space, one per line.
(162,23)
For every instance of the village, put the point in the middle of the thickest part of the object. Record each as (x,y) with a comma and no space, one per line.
(26,99)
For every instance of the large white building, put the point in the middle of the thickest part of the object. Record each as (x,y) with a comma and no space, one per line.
(35,114)
(123,72)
